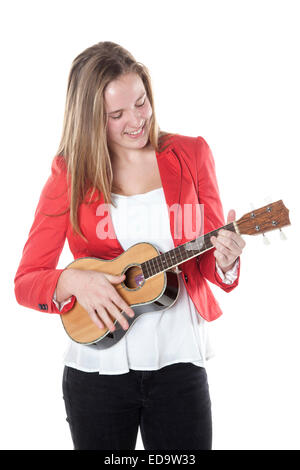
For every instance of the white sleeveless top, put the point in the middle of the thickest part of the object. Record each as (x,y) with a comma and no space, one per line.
(156,339)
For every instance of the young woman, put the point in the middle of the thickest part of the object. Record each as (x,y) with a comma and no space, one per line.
(113,154)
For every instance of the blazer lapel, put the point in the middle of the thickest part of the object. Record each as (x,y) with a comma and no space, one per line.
(181,196)
(170,173)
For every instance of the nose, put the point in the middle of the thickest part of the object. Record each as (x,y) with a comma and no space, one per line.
(135,119)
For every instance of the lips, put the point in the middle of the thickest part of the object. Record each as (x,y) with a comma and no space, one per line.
(136,129)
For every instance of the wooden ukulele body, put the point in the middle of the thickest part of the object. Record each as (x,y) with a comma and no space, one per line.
(143,295)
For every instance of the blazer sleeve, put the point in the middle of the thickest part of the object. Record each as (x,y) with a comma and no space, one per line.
(209,196)
(37,276)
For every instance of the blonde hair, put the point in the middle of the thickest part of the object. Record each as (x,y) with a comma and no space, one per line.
(83,144)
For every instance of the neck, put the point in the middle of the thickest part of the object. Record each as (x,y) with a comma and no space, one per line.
(127,156)
(181,253)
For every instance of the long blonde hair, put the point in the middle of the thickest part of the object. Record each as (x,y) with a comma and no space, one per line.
(83,144)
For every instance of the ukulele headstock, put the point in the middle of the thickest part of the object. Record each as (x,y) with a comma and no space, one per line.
(270,217)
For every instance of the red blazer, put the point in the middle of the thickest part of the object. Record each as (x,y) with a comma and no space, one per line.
(188,176)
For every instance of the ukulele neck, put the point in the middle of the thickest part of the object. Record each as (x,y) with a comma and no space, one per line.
(182,253)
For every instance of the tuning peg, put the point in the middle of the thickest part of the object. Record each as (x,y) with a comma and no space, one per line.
(282,235)
(266,240)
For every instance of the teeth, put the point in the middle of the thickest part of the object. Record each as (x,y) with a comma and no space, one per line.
(136,132)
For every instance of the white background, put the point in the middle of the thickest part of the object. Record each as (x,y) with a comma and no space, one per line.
(225,70)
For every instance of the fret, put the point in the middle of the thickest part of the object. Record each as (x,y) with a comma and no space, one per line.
(181,254)
(144,267)
(207,242)
(148,268)
(180,257)
(151,266)
(184,253)
(159,263)
(175,261)
(170,259)
(156,264)
(164,260)
(173,256)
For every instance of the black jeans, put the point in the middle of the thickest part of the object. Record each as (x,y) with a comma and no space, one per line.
(171,405)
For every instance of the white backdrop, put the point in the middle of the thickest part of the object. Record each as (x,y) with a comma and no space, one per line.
(228,71)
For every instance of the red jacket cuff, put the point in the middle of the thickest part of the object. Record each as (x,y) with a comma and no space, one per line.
(223,285)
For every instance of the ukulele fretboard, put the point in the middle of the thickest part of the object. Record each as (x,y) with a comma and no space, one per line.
(181,253)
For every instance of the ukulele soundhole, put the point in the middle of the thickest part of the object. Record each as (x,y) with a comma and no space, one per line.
(134,277)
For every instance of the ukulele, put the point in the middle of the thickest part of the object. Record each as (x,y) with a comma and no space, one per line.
(151,283)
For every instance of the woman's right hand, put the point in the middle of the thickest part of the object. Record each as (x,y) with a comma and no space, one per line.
(96,293)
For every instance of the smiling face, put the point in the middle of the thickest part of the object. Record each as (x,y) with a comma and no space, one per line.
(127,108)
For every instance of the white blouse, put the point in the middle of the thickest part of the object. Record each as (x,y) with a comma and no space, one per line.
(155,339)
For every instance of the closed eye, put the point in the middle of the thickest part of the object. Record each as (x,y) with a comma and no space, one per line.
(137,105)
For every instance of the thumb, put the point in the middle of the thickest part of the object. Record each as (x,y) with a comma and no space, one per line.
(231,216)
(115,279)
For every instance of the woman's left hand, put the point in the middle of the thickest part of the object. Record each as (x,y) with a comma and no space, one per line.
(229,245)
